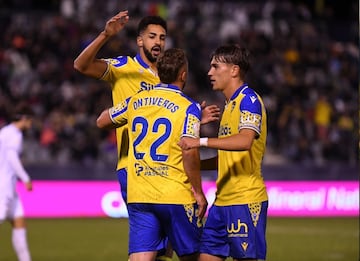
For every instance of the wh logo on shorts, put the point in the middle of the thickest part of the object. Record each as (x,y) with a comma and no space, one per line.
(237,230)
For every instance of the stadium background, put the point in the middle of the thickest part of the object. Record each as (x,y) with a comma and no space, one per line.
(305,65)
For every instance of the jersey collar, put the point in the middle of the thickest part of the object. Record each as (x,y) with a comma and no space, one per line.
(167,87)
(144,64)
(239,90)
(141,61)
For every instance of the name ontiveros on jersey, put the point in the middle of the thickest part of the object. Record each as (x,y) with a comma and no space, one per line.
(155,101)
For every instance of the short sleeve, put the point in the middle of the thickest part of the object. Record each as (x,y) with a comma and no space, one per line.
(192,121)
(250,113)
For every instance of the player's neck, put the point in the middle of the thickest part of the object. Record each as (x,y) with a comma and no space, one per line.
(153,69)
(19,125)
(231,89)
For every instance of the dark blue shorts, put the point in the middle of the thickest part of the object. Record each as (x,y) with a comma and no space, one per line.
(122,178)
(150,224)
(236,231)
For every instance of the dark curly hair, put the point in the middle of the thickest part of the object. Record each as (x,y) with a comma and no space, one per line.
(169,64)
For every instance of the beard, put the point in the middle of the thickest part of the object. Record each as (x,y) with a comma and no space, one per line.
(149,56)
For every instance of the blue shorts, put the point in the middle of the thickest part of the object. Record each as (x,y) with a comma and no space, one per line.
(122,178)
(151,224)
(236,231)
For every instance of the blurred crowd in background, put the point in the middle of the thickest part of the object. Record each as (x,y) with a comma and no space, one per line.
(305,64)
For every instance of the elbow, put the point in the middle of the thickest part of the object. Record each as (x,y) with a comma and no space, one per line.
(104,121)
(78,66)
(99,123)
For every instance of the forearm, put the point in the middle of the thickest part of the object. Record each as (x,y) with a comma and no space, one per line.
(238,142)
(231,143)
(104,121)
(191,161)
(17,166)
(88,55)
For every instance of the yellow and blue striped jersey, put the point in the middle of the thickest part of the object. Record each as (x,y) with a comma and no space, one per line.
(127,76)
(157,119)
(239,178)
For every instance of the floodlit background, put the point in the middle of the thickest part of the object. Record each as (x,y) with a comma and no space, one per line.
(305,65)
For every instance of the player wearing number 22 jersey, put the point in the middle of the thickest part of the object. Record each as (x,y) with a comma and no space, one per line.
(160,195)
(157,167)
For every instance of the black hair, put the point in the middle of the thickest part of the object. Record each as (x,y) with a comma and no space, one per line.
(147,20)
(22,110)
(233,54)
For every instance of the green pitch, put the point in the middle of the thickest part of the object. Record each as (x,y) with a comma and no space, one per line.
(295,239)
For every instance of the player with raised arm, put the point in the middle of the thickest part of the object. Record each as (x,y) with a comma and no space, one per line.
(129,75)
(126,75)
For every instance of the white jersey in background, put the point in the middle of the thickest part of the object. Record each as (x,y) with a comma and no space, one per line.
(11,139)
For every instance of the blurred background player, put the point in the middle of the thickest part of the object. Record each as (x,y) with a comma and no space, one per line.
(165,196)
(11,169)
(236,221)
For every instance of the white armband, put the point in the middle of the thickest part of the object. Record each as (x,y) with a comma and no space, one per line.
(204,142)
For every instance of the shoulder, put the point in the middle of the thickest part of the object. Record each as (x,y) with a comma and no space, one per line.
(10,135)
(118,61)
(190,100)
(193,106)
(249,92)
(10,130)
(250,97)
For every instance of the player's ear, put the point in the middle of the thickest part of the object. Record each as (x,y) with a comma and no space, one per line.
(235,70)
(183,76)
(183,73)
(139,41)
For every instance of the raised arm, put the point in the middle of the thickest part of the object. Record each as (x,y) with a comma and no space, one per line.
(86,62)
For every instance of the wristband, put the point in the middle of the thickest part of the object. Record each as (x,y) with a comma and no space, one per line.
(204,142)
